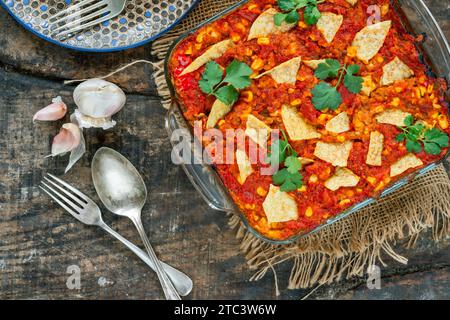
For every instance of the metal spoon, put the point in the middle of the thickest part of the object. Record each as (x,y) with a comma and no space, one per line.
(123,192)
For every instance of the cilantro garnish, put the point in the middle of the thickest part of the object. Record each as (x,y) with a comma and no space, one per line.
(225,88)
(290,14)
(326,96)
(289,178)
(417,134)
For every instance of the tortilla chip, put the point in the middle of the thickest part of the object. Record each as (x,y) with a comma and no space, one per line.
(264,25)
(339,124)
(342,177)
(368,85)
(245,167)
(213,52)
(335,153)
(407,162)
(305,161)
(257,130)
(279,206)
(370,39)
(329,24)
(218,111)
(296,126)
(394,117)
(352,2)
(314,64)
(285,72)
(375,149)
(394,71)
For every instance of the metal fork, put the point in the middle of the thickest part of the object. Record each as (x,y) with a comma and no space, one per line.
(84,14)
(87,211)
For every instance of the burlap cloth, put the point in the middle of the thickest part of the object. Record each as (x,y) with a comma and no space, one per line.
(346,248)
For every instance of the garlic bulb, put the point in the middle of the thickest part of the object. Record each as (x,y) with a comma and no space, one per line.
(55,111)
(97,101)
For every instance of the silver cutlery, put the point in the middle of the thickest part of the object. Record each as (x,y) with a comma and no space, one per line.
(122,190)
(83,15)
(87,211)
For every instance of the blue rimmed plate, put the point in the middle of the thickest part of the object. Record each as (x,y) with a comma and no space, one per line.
(141,21)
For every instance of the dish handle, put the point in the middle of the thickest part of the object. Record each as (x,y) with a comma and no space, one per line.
(185,152)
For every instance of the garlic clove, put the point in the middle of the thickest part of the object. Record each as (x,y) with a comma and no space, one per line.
(68,138)
(55,111)
(76,153)
(97,98)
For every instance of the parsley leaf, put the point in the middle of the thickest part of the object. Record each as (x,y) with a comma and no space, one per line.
(290,14)
(211,77)
(288,178)
(277,154)
(415,135)
(227,94)
(312,14)
(287,181)
(226,89)
(329,69)
(326,97)
(238,75)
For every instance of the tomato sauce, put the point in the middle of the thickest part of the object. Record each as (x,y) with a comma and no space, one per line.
(421,95)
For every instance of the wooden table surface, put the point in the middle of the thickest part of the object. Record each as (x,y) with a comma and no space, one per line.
(39,241)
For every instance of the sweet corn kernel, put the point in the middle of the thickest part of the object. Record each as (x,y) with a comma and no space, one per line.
(261,191)
(199,38)
(443,121)
(249,206)
(323,118)
(198,46)
(434,115)
(422,79)
(384,9)
(302,189)
(359,190)
(313,178)
(188,51)
(309,212)
(436,106)
(263,41)
(296,102)
(235,37)
(395,102)
(257,64)
(252,7)
(221,122)
(430,88)
(247,96)
(240,26)
(432,96)
(417,92)
(291,90)
(379,109)
(351,52)
(398,89)
(340,138)
(344,202)
(371,180)
(350,193)
(380,186)
(380,59)
(423,90)
(302,25)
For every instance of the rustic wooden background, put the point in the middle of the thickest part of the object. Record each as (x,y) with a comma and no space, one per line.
(39,241)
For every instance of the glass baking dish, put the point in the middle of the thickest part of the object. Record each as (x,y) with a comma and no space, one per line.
(435,50)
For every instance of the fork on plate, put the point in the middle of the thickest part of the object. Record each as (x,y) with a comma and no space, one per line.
(83,15)
(87,211)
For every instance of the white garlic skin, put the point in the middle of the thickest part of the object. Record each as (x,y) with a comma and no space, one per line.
(97,98)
